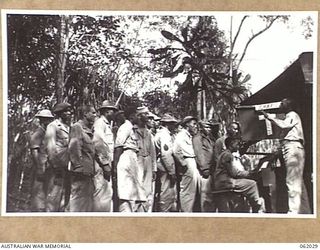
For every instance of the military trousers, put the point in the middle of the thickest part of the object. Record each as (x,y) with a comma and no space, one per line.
(38,195)
(58,189)
(145,162)
(249,189)
(190,184)
(206,197)
(81,196)
(128,206)
(294,158)
(167,201)
(102,194)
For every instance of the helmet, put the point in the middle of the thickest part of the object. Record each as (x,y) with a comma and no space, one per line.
(44,113)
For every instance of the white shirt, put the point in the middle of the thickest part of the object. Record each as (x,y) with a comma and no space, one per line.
(291,125)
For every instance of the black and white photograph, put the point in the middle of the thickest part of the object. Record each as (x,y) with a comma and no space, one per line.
(159,113)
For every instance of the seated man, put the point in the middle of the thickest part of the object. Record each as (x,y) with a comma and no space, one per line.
(228,175)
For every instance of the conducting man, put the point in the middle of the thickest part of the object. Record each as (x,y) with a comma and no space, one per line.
(292,141)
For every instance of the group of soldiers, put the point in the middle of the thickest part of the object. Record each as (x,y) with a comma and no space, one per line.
(135,161)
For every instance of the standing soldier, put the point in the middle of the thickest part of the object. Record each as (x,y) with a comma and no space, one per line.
(153,126)
(292,145)
(153,123)
(184,153)
(203,144)
(130,190)
(135,159)
(40,158)
(57,136)
(104,145)
(146,155)
(167,201)
(82,157)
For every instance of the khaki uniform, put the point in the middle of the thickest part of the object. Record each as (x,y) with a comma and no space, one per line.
(294,159)
(104,145)
(190,182)
(82,157)
(57,139)
(131,190)
(228,176)
(219,147)
(38,196)
(166,167)
(205,157)
(147,160)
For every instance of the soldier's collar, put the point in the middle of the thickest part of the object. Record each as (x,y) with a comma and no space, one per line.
(61,124)
(105,119)
(187,132)
(166,129)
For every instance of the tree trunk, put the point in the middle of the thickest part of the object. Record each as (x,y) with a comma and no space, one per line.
(199,100)
(62,59)
(204,105)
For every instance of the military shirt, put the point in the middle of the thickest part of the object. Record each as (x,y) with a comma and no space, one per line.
(164,145)
(226,172)
(183,147)
(219,147)
(37,142)
(291,125)
(126,137)
(57,139)
(103,140)
(204,150)
(81,148)
(146,147)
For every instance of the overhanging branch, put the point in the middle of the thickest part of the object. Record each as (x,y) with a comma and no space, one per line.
(268,26)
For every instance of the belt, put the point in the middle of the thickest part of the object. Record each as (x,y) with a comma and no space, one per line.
(143,155)
(81,174)
(187,157)
(286,140)
(134,150)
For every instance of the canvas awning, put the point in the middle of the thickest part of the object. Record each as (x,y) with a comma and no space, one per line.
(295,83)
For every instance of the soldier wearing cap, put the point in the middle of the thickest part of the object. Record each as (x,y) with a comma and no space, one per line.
(203,144)
(184,153)
(153,123)
(57,137)
(135,159)
(146,155)
(40,158)
(104,145)
(153,126)
(166,173)
(82,156)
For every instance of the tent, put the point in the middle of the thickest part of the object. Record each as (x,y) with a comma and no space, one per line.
(295,82)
